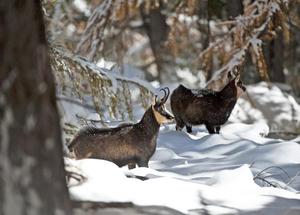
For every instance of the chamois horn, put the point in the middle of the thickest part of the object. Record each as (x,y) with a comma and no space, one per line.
(166,94)
(165,97)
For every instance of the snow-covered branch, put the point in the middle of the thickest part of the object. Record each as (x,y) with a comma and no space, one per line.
(260,22)
(112,95)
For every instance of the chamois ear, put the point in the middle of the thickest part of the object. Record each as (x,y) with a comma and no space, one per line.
(229,76)
(237,74)
(237,79)
(154,100)
(236,71)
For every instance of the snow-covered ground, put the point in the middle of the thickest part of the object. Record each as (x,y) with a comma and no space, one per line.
(202,172)
(237,171)
(272,104)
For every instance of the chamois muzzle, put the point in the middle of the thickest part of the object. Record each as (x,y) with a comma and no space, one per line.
(238,82)
(164,112)
(240,85)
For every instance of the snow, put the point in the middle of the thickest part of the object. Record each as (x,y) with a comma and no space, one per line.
(275,7)
(255,44)
(82,6)
(105,73)
(198,171)
(186,75)
(271,104)
(201,172)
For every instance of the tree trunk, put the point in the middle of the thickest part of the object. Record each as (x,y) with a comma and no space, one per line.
(234,8)
(274,57)
(203,13)
(292,52)
(276,70)
(32,179)
(157,31)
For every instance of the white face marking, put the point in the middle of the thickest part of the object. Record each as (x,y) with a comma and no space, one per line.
(160,118)
(168,112)
(240,91)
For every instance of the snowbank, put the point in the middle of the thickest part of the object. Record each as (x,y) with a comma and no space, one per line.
(196,172)
(271,105)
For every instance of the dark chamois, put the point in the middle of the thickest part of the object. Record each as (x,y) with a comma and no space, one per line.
(127,144)
(212,108)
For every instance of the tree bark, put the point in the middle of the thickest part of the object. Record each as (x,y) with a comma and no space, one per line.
(203,13)
(157,31)
(276,72)
(274,51)
(234,8)
(292,52)
(32,178)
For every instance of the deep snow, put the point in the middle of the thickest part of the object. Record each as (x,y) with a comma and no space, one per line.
(192,172)
(201,172)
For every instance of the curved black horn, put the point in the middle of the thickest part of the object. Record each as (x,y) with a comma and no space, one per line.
(163,89)
(163,99)
(168,92)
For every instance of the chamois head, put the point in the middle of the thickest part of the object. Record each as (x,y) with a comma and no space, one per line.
(162,115)
(237,82)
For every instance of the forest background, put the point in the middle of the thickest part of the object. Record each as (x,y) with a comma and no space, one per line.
(111,47)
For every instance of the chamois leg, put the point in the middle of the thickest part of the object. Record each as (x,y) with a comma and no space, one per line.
(188,129)
(142,163)
(179,124)
(210,128)
(218,129)
(131,165)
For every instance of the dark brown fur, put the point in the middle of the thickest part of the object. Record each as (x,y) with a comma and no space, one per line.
(126,144)
(195,107)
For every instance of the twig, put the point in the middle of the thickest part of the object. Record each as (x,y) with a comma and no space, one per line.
(96,121)
(270,167)
(78,177)
(266,181)
(70,100)
(292,179)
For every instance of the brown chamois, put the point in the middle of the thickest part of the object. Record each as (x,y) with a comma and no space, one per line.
(212,108)
(127,144)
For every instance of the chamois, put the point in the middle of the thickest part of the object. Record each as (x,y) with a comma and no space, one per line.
(127,144)
(211,108)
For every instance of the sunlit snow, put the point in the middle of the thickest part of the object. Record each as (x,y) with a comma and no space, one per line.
(201,172)
(189,169)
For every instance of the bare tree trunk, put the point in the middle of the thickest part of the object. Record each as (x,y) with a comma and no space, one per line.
(277,59)
(274,57)
(203,13)
(32,179)
(157,31)
(204,28)
(292,52)
(234,8)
